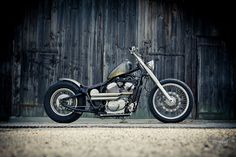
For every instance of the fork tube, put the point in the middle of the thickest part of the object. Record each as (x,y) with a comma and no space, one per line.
(153,77)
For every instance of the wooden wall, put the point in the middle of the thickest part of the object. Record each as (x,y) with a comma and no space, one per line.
(92,36)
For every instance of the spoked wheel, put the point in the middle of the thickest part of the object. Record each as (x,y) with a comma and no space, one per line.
(53,102)
(175,111)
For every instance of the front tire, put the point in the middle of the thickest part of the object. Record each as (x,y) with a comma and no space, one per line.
(52,103)
(171,112)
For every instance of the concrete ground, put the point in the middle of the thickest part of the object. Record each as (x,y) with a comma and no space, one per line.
(115,138)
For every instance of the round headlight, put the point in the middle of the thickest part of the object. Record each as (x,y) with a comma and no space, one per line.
(150,65)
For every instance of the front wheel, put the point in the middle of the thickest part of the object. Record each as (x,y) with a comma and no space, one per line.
(174,112)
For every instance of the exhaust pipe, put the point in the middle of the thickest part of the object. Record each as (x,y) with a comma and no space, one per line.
(95,95)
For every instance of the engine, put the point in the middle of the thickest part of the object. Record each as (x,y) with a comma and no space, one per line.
(118,106)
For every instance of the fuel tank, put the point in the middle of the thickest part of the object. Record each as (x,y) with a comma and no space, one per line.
(122,68)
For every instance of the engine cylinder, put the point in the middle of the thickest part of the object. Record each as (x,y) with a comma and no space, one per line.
(116,105)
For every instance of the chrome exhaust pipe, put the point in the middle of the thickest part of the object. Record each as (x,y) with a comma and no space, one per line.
(104,98)
(109,94)
(95,95)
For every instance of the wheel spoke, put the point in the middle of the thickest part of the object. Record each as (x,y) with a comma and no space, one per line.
(167,110)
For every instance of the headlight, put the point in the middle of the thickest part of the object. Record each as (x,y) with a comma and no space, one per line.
(150,65)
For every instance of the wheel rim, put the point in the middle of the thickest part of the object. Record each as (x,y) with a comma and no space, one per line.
(55,101)
(167,110)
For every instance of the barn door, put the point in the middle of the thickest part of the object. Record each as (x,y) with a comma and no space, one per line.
(213,79)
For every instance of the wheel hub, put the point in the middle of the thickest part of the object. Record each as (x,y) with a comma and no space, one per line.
(173,105)
(57,101)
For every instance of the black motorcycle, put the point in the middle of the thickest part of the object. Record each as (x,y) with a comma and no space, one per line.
(170,101)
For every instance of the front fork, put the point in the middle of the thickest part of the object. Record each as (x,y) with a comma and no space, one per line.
(161,88)
(149,71)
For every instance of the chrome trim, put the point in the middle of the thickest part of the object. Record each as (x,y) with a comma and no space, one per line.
(178,87)
(110,94)
(56,106)
(104,98)
(150,65)
(115,114)
(149,71)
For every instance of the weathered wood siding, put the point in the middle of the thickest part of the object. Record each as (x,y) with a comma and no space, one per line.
(214,79)
(92,36)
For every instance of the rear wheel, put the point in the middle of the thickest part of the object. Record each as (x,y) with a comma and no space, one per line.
(166,111)
(53,102)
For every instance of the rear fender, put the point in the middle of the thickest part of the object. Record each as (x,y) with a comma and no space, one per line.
(80,87)
(76,83)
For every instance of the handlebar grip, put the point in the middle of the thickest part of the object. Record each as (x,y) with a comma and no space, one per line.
(132,49)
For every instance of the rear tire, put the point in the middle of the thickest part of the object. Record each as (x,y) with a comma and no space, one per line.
(52,106)
(182,95)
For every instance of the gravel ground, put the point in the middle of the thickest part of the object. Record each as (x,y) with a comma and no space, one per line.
(117,142)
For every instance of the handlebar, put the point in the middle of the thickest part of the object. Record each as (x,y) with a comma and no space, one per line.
(133,49)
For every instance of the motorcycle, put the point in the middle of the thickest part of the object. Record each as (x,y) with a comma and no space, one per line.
(170,100)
